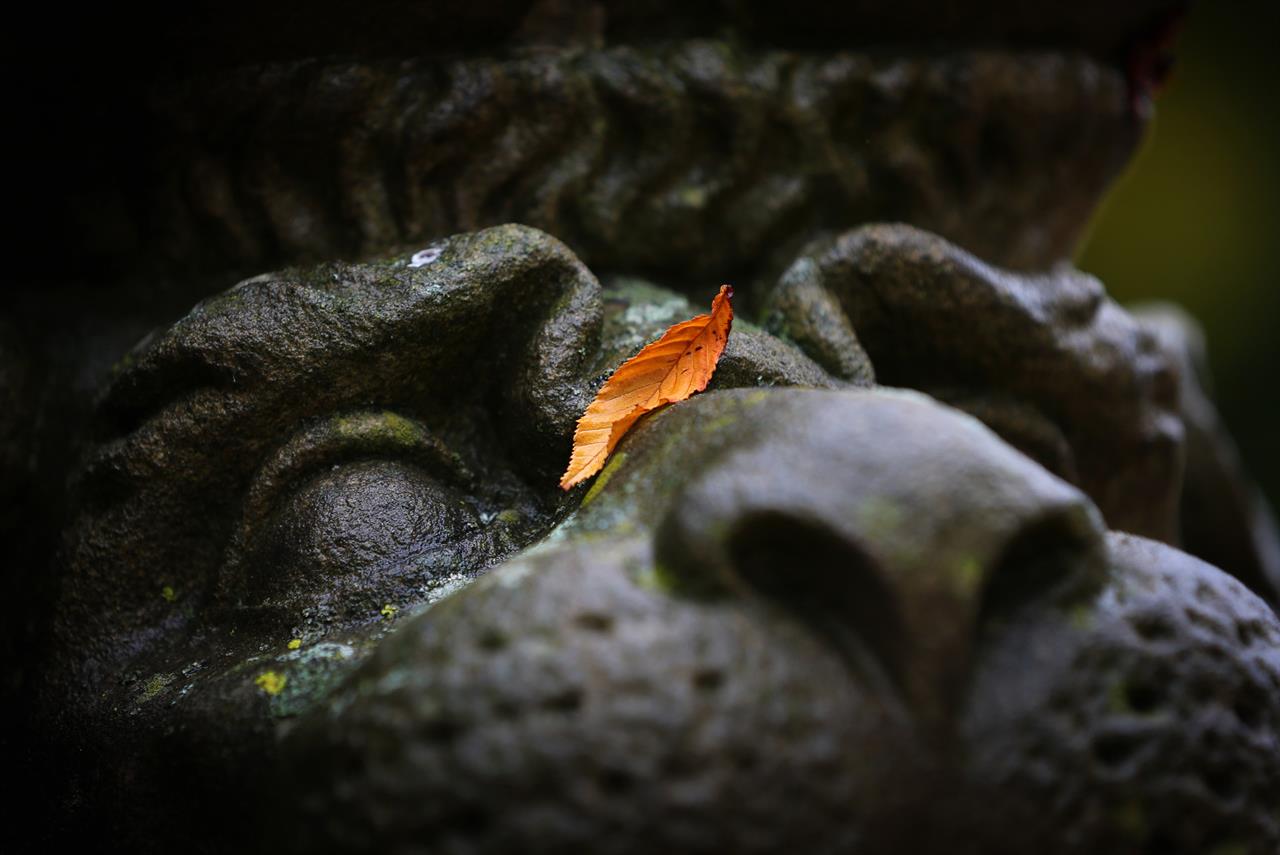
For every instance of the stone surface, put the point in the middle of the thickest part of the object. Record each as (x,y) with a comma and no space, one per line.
(792,653)
(1048,361)
(1158,704)
(1224,518)
(303,457)
(723,157)
(308,460)
(317,589)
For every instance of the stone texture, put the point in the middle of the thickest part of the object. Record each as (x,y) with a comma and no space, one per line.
(317,588)
(761,665)
(1223,517)
(1159,704)
(779,616)
(1048,360)
(721,156)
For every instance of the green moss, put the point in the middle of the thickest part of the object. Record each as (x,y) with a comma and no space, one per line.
(399,427)
(633,291)
(777,324)
(610,468)
(725,421)
(881,516)
(663,579)
(386,424)
(655,578)
(967,575)
(313,672)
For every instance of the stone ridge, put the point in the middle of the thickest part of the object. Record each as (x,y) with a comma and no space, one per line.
(682,161)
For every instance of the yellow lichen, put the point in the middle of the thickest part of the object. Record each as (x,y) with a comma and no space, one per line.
(154,686)
(168,593)
(295,644)
(389,611)
(270,682)
(693,197)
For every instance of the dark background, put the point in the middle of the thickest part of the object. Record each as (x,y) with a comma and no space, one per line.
(1196,219)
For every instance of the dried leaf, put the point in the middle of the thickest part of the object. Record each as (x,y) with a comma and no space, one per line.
(670,369)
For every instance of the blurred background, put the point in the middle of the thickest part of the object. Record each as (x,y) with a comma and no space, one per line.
(1196,219)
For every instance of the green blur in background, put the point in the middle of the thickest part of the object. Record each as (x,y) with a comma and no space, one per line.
(1196,219)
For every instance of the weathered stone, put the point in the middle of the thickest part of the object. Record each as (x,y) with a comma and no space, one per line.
(1223,517)
(314,456)
(798,647)
(686,161)
(318,589)
(1048,360)
(1159,702)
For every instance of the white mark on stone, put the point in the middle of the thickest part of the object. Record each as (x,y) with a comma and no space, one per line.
(423,257)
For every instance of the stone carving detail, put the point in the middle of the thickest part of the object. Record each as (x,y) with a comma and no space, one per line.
(687,160)
(1047,360)
(294,459)
(908,577)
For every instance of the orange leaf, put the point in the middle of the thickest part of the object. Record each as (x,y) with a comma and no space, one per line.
(668,370)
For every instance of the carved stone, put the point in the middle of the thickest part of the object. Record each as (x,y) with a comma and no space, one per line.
(906,578)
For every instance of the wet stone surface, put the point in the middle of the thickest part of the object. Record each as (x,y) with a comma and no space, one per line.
(921,571)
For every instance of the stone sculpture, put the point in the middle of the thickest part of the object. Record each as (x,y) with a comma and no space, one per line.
(907,577)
